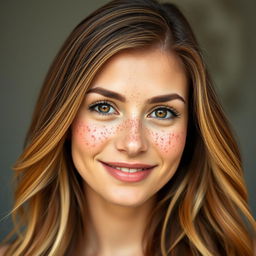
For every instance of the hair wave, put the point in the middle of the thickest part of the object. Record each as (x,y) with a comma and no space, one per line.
(200,211)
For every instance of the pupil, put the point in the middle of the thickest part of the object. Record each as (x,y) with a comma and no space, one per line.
(104,108)
(161,113)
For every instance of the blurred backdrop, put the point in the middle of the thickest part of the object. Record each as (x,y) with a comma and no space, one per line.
(33,31)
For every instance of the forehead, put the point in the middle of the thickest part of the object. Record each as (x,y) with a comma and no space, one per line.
(148,72)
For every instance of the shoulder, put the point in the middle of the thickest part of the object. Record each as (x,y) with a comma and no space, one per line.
(3,248)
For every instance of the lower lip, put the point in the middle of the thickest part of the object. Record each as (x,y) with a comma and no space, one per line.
(127,176)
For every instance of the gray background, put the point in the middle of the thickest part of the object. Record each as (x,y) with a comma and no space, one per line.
(33,31)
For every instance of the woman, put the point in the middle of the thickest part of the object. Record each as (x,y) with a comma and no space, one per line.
(129,152)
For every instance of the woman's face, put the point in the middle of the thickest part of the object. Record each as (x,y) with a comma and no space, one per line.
(130,131)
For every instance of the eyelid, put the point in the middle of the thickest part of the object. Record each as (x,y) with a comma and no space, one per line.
(173,110)
(107,102)
(113,105)
(102,102)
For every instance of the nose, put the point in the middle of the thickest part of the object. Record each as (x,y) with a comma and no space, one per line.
(132,138)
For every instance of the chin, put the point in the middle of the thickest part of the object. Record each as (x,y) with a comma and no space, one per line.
(127,198)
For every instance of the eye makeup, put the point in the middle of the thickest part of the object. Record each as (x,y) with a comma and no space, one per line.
(107,108)
(103,107)
(169,111)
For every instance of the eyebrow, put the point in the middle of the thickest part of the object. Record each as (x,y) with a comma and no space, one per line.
(117,96)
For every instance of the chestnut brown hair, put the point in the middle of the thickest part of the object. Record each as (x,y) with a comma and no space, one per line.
(200,211)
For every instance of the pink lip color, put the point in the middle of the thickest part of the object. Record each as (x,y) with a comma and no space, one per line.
(127,177)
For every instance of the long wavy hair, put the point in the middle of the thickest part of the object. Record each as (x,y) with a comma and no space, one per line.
(202,210)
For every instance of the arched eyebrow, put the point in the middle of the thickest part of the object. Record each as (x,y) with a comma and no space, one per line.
(165,98)
(117,96)
(107,93)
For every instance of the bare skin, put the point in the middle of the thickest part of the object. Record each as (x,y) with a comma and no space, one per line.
(131,130)
(113,228)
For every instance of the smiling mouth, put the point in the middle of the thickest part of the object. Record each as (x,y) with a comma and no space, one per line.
(129,169)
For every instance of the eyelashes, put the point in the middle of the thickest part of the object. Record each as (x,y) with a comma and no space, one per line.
(103,108)
(164,112)
(106,108)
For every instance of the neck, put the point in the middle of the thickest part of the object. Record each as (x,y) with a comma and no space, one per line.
(115,229)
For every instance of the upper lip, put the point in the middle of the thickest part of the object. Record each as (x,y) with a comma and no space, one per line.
(129,165)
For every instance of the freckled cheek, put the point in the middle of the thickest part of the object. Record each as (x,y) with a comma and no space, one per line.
(91,136)
(168,142)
